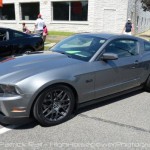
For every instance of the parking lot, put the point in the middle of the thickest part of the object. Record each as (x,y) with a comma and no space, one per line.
(120,123)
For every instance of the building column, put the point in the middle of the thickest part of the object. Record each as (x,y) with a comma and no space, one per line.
(17,13)
(135,18)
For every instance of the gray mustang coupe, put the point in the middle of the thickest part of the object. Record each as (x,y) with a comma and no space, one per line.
(79,70)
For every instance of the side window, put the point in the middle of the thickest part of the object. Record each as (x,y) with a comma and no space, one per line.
(3,35)
(123,47)
(147,46)
(18,34)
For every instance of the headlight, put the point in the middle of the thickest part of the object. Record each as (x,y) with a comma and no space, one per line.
(9,90)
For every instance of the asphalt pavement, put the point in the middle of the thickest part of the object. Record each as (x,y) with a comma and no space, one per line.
(116,124)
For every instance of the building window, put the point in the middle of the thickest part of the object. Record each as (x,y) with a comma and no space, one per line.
(7,12)
(29,11)
(70,11)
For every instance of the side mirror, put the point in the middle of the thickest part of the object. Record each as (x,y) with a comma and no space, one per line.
(109,56)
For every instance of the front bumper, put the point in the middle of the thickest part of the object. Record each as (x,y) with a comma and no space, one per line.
(15,110)
(18,120)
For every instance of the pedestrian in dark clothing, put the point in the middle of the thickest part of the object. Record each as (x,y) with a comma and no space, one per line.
(128,28)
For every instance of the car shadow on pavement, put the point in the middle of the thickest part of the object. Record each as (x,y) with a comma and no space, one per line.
(107,102)
(25,125)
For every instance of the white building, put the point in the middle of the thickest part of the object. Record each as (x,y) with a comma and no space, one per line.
(75,15)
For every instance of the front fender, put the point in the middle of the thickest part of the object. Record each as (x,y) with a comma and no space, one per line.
(35,86)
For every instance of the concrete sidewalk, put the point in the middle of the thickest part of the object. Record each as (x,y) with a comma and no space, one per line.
(145,35)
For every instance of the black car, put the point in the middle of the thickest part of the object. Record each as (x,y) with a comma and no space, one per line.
(14,42)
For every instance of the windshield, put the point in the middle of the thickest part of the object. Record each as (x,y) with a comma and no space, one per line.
(81,47)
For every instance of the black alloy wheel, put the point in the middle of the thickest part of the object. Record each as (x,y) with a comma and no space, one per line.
(54,105)
(147,84)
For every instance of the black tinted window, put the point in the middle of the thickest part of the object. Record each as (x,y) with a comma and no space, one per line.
(123,48)
(7,12)
(18,34)
(70,11)
(147,46)
(29,11)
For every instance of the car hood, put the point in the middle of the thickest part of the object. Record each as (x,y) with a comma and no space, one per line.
(14,69)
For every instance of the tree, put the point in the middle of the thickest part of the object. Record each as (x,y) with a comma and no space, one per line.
(146,5)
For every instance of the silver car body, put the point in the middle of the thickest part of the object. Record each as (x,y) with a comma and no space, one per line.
(96,78)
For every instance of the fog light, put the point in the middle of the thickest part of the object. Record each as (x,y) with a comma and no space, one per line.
(18,109)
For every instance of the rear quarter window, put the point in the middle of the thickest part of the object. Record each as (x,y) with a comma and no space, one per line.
(17,35)
(147,46)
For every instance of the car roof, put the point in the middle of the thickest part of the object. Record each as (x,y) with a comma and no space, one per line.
(8,29)
(5,28)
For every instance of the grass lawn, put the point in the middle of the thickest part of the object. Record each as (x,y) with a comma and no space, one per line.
(46,47)
(56,36)
(60,33)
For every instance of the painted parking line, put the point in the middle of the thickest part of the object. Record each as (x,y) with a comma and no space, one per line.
(7,128)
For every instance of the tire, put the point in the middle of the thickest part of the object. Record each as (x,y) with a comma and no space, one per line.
(54,105)
(147,85)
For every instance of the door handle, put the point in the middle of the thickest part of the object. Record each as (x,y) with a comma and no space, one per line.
(136,62)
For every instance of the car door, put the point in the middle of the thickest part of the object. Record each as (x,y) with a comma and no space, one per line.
(5,44)
(114,76)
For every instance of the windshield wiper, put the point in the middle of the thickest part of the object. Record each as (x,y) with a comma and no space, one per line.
(64,53)
(33,52)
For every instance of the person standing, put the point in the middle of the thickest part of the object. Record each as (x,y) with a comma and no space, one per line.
(128,28)
(25,29)
(39,25)
(45,33)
